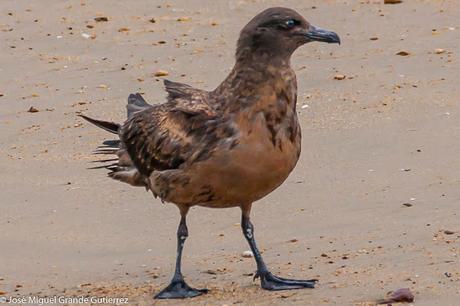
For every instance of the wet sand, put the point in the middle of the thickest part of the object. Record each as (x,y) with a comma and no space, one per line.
(372,206)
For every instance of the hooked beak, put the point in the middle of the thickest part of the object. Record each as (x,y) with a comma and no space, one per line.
(318,34)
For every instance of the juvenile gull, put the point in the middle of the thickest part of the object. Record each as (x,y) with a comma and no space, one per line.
(224,148)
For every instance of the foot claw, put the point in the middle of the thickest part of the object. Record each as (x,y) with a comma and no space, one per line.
(271,282)
(179,290)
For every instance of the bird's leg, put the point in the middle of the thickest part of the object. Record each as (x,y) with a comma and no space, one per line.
(178,288)
(269,281)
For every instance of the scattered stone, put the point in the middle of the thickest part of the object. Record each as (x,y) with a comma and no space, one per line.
(293,240)
(161,73)
(121,30)
(408,204)
(340,77)
(440,51)
(183,19)
(403,53)
(392,1)
(101,19)
(374,38)
(152,20)
(403,295)
(247,254)
(32,109)
(447,232)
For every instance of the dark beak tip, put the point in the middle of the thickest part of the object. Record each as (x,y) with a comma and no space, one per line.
(322,35)
(333,38)
(338,41)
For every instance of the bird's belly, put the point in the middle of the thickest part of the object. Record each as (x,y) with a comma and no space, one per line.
(252,175)
(232,177)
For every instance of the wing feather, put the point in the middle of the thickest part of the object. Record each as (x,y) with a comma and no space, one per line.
(165,136)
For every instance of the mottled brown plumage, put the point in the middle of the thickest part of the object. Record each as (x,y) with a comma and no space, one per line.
(227,147)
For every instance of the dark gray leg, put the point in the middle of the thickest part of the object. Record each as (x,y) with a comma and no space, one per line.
(178,288)
(269,281)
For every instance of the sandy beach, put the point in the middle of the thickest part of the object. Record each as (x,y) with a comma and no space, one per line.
(372,206)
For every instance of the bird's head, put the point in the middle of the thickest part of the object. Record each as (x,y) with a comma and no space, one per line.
(280,31)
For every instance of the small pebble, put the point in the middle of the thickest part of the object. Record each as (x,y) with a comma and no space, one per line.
(440,51)
(101,19)
(403,53)
(160,73)
(403,295)
(33,110)
(247,254)
(183,19)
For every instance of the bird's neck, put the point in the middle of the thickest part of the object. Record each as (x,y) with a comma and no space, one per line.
(264,93)
(261,57)
(253,71)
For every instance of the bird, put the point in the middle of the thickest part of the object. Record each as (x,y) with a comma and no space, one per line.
(224,148)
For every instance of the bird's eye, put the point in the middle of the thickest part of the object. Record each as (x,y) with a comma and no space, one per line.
(291,23)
